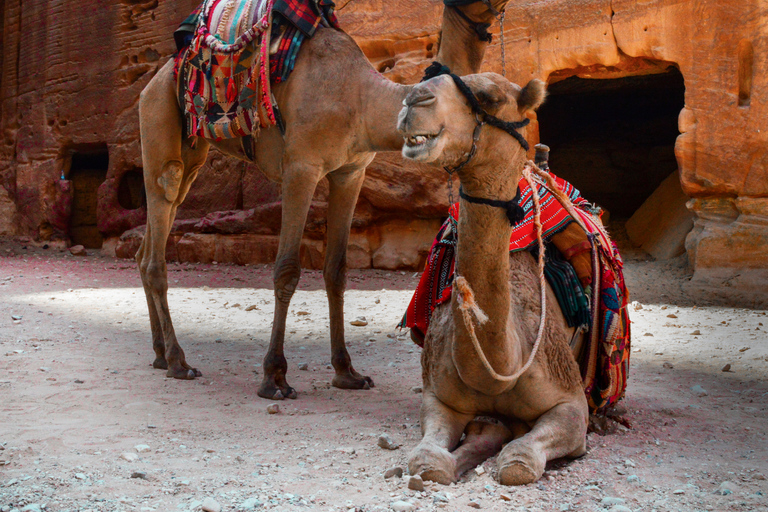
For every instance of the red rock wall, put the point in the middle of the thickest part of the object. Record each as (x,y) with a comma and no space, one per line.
(72,73)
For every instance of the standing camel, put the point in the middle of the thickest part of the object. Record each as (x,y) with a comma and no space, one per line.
(479,357)
(338,112)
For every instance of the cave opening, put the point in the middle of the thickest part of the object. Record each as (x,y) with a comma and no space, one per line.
(87,172)
(614,138)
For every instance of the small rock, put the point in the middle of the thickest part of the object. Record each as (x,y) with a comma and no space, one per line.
(696,333)
(79,381)
(648,334)
(474,504)
(619,508)
(394,471)
(671,315)
(250,504)
(403,506)
(744,349)
(359,321)
(633,479)
(387,443)
(480,470)
(726,488)
(505,497)
(678,491)
(273,408)
(318,384)
(78,250)
(726,368)
(417,389)
(637,306)
(139,474)
(346,449)
(130,457)
(610,501)
(699,391)
(211,505)
(32,507)
(668,365)
(80,476)
(439,497)
(141,448)
(415,483)
(304,366)
(251,307)
(302,313)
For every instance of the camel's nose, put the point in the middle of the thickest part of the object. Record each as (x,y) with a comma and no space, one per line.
(420,96)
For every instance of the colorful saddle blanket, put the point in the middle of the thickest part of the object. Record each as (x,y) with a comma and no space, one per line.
(604,362)
(223,66)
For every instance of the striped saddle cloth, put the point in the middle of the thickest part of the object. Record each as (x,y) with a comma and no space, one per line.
(224,61)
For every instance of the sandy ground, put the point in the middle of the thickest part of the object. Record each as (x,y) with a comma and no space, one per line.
(86,424)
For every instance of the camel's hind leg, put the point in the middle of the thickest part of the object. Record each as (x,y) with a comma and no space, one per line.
(169,170)
(483,440)
(344,189)
(560,432)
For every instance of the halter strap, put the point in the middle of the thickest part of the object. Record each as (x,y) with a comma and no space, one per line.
(480,28)
(511,127)
(512,208)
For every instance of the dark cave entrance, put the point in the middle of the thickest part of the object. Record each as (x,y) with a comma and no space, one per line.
(614,139)
(87,172)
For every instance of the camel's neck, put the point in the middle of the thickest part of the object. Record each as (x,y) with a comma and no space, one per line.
(483,260)
(460,48)
(382,101)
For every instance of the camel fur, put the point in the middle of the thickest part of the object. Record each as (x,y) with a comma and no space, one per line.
(543,414)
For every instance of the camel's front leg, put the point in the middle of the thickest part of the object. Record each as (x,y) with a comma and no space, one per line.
(560,432)
(344,189)
(441,427)
(299,183)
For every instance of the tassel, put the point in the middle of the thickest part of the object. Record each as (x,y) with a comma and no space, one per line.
(466,298)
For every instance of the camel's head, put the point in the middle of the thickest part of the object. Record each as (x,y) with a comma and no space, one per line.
(438,123)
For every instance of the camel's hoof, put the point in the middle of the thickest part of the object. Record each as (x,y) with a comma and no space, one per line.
(517,473)
(183,373)
(433,463)
(272,392)
(437,475)
(520,467)
(160,363)
(352,381)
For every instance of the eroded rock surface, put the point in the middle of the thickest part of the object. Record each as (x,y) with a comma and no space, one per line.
(72,75)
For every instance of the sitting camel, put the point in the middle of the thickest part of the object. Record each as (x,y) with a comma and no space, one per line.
(479,357)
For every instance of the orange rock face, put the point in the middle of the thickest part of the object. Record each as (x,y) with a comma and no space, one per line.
(72,74)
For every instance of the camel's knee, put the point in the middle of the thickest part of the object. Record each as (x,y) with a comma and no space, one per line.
(335,276)
(170,179)
(154,275)
(286,278)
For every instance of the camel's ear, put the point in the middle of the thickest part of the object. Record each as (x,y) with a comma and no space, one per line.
(532,96)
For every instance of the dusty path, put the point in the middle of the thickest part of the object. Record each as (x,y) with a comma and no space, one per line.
(78,398)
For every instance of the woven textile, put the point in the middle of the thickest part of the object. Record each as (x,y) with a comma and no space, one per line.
(224,69)
(604,364)
(223,79)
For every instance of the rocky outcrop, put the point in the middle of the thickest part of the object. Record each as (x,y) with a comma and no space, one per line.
(661,224)
(72,73)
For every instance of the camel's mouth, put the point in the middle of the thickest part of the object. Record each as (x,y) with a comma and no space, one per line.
(419,146)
